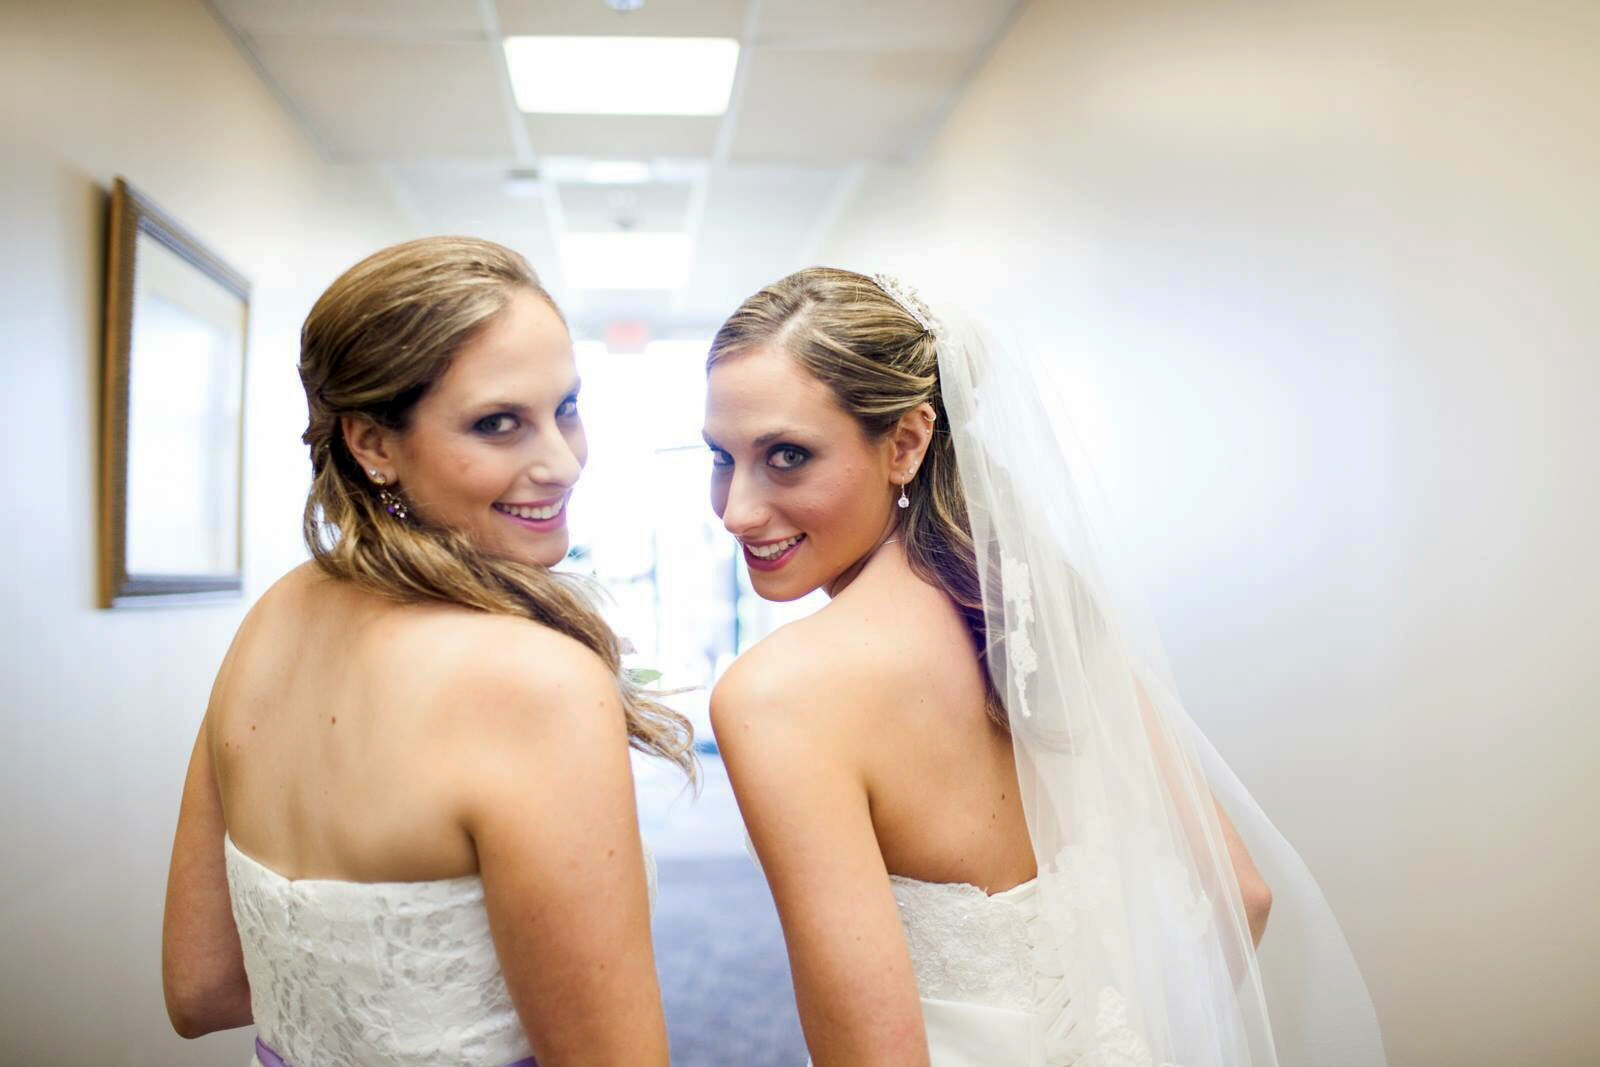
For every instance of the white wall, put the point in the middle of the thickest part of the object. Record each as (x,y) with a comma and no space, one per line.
(100,708)
(1327,275)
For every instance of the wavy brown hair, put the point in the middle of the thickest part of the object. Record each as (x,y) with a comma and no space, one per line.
(375,342)
(879,362)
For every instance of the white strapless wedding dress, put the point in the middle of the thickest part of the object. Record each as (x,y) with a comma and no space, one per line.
(374,974)
(973,955)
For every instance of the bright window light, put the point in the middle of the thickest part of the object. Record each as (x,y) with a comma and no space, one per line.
(625,260)
(622,75)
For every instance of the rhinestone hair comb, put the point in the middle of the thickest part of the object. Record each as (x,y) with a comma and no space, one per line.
(909,299)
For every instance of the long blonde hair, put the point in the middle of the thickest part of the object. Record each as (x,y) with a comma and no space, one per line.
(879,362)
(375,342)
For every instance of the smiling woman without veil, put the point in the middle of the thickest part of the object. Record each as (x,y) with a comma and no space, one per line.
(408,832)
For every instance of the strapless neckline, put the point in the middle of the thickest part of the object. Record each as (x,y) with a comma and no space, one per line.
(271,874)
(402,974)
(1016,894)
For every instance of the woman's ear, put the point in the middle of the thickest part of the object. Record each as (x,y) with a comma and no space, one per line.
(372,446)
(909,442)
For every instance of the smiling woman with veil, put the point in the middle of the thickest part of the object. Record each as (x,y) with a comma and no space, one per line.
(992,831)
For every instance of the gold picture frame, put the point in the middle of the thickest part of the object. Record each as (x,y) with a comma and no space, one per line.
(172,413)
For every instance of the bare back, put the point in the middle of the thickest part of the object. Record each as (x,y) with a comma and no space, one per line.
(940,773)
(353,739)
(885,683)
(330,728)
(859,748)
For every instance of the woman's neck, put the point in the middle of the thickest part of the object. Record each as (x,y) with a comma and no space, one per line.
(889,548)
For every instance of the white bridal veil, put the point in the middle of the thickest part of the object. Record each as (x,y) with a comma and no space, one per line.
(1143,943)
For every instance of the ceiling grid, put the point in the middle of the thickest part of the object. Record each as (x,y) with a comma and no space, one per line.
(823,91)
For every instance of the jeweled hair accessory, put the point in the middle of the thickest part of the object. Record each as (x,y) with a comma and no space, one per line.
(909,299)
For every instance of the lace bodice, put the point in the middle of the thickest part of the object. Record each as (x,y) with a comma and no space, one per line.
(398,974)
(967,945)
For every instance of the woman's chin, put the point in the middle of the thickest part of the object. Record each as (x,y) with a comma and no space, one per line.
(780,588)
(550,550)
(554,554)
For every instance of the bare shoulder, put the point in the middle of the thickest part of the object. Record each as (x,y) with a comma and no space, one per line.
(283,595)
(515,674)
(816,676)
(296,587)
(280,607)
(512,708)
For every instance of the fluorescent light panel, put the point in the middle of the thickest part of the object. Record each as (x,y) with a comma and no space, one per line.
(622,75)
(625,260)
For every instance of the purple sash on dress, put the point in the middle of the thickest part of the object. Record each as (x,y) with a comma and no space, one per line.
(270,1058)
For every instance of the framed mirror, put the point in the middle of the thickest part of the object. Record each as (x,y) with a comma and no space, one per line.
(172,429)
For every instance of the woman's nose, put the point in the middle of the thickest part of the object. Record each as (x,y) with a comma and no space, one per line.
(555,463)
(745,510)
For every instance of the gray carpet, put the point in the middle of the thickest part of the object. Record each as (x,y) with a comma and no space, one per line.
(724,973)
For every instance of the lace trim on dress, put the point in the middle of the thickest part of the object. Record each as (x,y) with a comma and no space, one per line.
(966,945)
(398,974)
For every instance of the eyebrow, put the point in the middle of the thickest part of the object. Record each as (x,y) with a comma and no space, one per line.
(760,442)
(517,406)
(769,438)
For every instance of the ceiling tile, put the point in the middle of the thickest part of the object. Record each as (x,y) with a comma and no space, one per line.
(657,18)
(757,223)
(883,25)
(392,99)
(387,19)
(469,198)
(415,87)
(623,136)
(830,107)
(788,195)
(652,206)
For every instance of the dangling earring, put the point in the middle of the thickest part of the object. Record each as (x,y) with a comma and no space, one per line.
(904,501)
(392,503)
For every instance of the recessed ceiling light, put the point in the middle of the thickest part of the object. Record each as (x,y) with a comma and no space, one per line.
(622,75)
(625,260)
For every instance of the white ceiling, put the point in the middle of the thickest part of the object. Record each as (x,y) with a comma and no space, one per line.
(418,89)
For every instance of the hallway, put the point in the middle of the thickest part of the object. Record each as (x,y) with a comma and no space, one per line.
(1318,279)
(724,974)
